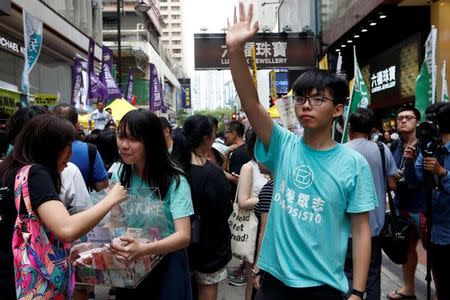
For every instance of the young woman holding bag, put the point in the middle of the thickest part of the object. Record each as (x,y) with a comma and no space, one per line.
(45,145)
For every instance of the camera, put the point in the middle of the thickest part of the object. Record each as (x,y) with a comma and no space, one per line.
(428,133)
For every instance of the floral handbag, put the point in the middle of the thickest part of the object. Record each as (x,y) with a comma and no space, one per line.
(41,263)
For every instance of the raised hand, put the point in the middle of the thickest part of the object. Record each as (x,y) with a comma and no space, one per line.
(241,32)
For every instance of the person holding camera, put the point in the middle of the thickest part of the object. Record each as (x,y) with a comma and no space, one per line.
(437,164)
(408,198)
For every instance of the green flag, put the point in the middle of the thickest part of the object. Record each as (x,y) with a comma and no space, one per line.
(359,97)
(444,95)
(426,81)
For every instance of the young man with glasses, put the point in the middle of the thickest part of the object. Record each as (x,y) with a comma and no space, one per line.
(437,165)
(408,197)
(320,188)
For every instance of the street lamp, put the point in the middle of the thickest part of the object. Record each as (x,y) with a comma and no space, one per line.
(142,7)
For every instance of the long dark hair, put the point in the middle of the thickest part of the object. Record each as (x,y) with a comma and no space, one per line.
(195,129)
(41,141)
(159,169)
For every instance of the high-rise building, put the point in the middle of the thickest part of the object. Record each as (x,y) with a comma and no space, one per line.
(141,46)
(172,39)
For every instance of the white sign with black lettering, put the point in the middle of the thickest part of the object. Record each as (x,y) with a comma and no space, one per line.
(384,79)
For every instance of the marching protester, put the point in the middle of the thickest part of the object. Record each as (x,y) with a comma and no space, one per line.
(361,123)
(99,116)
(251,181)
(84,155)
(39,169)
(148,164)
(210,249)
(408,197)
(320,187)
(437,165)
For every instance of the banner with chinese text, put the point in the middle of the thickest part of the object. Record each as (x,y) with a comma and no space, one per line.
(272,50)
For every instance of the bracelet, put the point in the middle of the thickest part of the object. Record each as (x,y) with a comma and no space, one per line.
(256,273)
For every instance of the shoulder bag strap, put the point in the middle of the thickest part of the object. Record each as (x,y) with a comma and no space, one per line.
(391,201)
(21,189)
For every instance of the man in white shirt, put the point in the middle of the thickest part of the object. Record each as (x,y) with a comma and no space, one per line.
(74,193)
(99,116)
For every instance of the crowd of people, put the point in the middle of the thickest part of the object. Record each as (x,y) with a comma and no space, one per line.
(320,205)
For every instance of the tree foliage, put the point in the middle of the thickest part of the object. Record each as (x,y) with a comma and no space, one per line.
(182,115)
(223,115)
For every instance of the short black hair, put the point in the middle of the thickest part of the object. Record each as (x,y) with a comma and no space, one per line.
(165,123)
(238,127)
(20,118)
(322,80)
(362,120)
(67,112)
(443,118)
(411,108)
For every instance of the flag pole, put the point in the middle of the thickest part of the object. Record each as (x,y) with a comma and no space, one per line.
(351,96)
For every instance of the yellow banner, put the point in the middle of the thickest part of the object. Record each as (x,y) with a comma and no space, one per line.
(253,64)
(323,63)
(8,101)
(273,85)
(48,100)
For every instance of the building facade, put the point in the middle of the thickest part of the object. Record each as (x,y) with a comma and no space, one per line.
(140,46)
(66,31)
(172,39)
(389,38)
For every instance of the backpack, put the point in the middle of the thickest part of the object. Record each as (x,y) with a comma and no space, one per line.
(41,263)
(92,153)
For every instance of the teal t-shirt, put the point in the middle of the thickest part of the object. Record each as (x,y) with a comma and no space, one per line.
(177,203)
(305,241)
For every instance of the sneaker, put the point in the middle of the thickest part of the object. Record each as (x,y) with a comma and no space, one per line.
(239,280)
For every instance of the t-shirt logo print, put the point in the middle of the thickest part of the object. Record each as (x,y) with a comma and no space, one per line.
(303,176)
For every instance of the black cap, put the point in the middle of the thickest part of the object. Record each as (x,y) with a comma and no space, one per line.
(165,123)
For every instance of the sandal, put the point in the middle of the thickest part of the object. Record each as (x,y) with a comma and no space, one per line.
(402,296)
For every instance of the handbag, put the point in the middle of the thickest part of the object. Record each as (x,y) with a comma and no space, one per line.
(395,236)
(244,229)
(41,262)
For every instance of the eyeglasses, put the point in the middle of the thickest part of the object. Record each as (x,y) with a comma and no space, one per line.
(316,100)
(407,118)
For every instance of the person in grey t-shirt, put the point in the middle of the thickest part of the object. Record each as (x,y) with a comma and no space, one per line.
(361,123)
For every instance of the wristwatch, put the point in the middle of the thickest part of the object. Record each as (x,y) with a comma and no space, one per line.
(256,273)
(359,294)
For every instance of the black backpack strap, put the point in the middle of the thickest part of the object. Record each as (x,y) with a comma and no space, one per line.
(92,153)
(383,157)
(391,201)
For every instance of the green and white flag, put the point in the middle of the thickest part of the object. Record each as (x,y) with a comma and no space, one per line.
(359,97)
(444,95)
(426,81)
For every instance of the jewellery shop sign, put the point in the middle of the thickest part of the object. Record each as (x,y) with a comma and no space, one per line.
(273,50)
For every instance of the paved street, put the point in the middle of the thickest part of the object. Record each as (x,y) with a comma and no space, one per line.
(391,279)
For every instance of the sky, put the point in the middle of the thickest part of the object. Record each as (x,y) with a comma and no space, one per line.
(210,14)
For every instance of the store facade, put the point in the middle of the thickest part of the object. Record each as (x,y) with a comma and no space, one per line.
(52,73)
(388,37)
